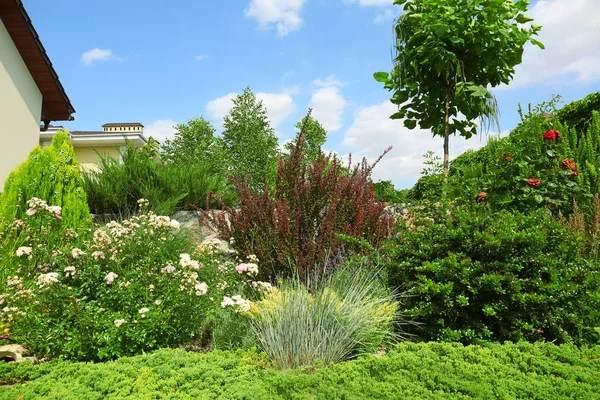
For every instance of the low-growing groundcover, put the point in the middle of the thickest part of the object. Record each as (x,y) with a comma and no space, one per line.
(410,371)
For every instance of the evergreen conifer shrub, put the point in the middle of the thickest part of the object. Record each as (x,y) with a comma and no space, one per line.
(52,174)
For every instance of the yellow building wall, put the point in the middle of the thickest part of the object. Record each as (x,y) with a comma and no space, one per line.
(89,159)
(20,108)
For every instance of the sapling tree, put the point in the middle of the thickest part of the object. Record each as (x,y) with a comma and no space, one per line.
(448,53)
(249,141)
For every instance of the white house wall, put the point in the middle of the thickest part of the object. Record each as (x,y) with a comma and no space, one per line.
(20,108)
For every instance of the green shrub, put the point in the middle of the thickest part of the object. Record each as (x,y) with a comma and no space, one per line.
(411,371)
(51,174)
(385,191)
(118,185)
(332,319)
(472,275)
(129,287)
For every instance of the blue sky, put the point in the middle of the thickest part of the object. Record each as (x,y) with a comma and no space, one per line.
(162,63)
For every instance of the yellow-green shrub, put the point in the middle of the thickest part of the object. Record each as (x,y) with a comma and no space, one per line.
(51,174)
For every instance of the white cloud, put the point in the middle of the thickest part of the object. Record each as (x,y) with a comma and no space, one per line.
(373,131)
(288,74)
(201,57)
(219,107)
(91,56)
(368,3)
(327,103)
(279,107)
(385,16)
(571,34)
(161,129)
(283,14)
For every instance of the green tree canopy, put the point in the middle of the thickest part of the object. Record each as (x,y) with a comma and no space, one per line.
(314,137)
(194,142)
(448,53)
(249,141)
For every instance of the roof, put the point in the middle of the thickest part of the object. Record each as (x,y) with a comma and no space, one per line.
(56,105)
(120,124)
(77,133)
(106,134)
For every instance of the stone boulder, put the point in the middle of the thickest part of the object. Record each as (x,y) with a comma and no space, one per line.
(14,353)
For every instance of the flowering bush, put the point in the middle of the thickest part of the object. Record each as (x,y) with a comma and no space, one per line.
(124,288)
(532,169)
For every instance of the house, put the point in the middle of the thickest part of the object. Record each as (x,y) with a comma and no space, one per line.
(90,145)
(30,90)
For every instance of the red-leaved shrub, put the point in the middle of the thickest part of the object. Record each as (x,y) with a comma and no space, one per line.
(294,228)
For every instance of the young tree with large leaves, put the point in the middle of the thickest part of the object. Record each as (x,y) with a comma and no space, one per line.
(249,140)
(448,53)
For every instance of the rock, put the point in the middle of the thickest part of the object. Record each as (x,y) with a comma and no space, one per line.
(14,353)
(395,210)
(187,219)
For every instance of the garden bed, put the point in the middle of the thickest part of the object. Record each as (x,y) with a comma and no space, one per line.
(411,371)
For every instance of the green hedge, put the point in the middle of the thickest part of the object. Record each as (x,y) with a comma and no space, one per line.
(412,371)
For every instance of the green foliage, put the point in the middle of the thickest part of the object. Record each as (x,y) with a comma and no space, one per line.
(410,371)
(315,136)
(249,141)
(473,275)
(194,143)
(448,53)
(117,186)
(331,319)
(52,174)
(385,191)
(577,115)
(127,288)
(502,167)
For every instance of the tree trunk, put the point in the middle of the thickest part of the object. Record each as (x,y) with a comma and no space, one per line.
(446,139)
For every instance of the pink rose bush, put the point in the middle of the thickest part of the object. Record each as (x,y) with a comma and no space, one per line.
(119,289)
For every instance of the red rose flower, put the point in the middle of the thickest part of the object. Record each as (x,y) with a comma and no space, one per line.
(557,133)
(550,135)
(574,173)
(481,197)
(568,163)
(533,182)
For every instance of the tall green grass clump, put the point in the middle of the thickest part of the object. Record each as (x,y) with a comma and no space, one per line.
(52,174)
(331,319)
(117,186)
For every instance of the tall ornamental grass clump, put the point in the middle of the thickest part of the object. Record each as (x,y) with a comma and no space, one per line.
(472,275)
(333,319)
(118,184)
(52,174)
(295,228)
